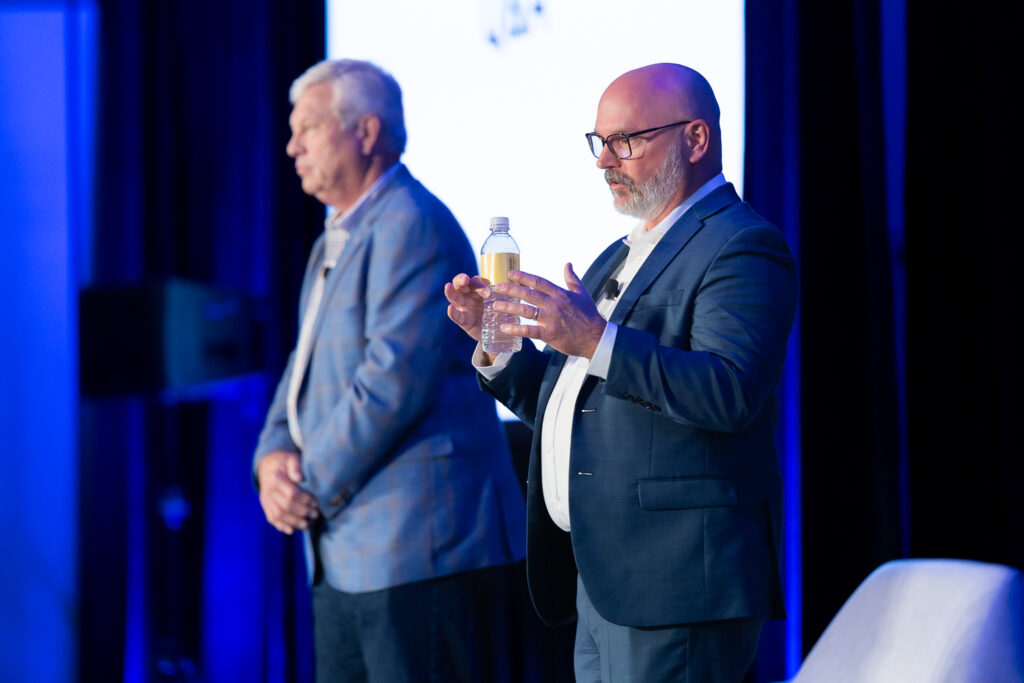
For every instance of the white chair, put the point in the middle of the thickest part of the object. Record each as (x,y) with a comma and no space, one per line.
(925,621)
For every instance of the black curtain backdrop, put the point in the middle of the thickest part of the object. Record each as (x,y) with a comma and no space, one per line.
(964,145)
(193,183)
(816,131)
(832,105)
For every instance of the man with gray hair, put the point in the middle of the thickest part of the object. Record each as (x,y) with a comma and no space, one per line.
(377,445)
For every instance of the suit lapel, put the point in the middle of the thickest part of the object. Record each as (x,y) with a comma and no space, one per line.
(602,269)
(359,233)
(348,252)
(677,237)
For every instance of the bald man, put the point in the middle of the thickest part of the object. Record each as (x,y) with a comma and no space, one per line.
(654,501)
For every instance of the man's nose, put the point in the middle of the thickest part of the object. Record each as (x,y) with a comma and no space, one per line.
(606,159)
(292,149)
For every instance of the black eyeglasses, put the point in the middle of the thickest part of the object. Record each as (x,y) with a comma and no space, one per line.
(618,143)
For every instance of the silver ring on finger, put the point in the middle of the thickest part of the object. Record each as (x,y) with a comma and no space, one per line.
(536,313)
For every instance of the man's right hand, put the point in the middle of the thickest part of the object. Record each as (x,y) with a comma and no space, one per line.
(466,302)
(286,506)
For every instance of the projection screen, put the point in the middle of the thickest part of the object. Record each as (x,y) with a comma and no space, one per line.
(498,95)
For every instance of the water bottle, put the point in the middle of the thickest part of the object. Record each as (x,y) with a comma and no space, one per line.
(499,255)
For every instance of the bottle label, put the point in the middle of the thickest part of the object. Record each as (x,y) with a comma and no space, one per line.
(494,267)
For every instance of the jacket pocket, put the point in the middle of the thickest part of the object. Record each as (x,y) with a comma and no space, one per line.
(436,446)
(683,494)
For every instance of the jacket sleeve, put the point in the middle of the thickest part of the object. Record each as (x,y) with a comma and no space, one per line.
(518,385)
(275,435)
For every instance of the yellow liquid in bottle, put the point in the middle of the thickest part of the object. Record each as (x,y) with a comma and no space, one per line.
(494,267)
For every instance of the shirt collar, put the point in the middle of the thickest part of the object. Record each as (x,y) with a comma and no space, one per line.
(342,219)
(337,225)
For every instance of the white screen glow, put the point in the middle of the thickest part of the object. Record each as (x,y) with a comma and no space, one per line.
(498,95)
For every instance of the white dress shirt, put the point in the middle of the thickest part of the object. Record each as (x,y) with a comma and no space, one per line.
(556,434)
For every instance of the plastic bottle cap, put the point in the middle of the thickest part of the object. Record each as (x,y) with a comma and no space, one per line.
(499,222)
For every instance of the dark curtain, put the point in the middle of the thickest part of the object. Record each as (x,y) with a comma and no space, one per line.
(908,404)
(964,285)
(181,579)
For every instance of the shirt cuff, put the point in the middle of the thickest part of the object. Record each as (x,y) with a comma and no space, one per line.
(602,359)
(494,369)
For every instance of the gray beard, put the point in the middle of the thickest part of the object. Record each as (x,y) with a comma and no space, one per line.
(648,199)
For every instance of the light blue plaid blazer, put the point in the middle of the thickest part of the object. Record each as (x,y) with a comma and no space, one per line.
(405,456)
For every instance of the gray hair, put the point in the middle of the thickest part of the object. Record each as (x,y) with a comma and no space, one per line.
(359,88)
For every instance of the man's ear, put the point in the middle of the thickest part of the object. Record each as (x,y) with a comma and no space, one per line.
(698,140)
(369,133)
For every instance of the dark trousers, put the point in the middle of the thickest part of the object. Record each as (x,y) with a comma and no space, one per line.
(449,629)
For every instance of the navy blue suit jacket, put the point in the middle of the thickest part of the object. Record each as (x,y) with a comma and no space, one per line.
(675,500)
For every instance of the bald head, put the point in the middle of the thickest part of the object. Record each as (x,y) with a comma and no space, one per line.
(658,94)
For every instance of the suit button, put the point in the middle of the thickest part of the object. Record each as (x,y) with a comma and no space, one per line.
(341,497)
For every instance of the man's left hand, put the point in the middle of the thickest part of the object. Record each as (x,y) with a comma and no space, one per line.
(567,319)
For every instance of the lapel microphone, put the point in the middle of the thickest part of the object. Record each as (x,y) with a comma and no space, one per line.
(611,288)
